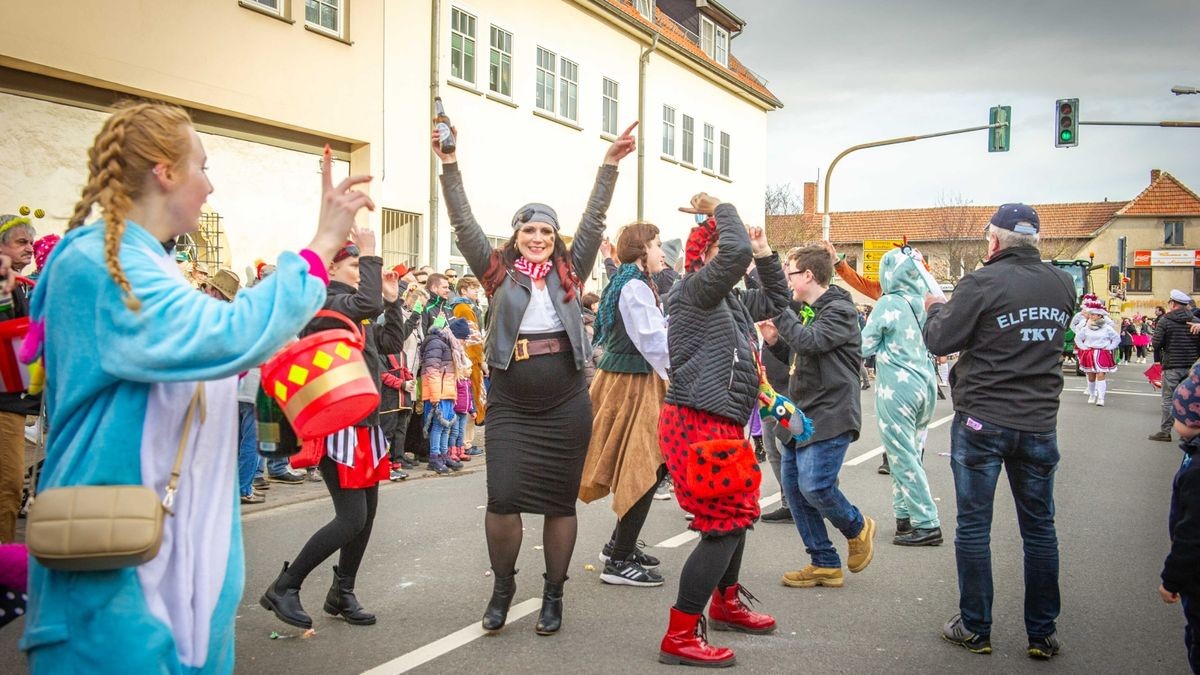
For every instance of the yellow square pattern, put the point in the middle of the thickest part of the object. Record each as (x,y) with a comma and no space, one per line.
(322,360)
(342,350)
(281,392)
(297,375)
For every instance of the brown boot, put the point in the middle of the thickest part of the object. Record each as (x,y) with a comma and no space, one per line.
(862,547)
(811,576)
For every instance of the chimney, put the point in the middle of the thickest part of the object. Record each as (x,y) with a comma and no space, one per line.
(1154,174)
(810,199)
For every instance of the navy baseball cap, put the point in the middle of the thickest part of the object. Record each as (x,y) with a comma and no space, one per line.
(1019,218)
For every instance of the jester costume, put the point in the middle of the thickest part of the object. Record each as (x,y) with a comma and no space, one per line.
(118,385)
(906,383)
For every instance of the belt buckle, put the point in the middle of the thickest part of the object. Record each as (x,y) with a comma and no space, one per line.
(521,350)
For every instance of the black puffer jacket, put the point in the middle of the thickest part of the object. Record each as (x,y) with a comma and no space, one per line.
(363,306)
(710,325)
(1174,340)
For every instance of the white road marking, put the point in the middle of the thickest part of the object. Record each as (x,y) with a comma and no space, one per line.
(431,651)
(879,450)
(684,537)
(1118,391)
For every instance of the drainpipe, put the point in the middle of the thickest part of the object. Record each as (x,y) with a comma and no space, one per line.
(435,29)
(641,187)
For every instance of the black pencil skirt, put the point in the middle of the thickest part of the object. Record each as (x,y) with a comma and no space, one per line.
(539,424)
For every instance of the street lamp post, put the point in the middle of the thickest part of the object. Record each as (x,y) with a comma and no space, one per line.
(1180,91)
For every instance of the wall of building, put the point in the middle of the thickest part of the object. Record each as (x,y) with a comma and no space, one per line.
(1144,234)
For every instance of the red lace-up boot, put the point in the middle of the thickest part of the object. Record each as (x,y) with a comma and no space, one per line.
(727,611)
(686,643)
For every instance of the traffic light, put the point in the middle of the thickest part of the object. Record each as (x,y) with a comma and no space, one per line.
(1066,123)
(998,136)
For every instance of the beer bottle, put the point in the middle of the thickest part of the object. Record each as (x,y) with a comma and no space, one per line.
(445,136)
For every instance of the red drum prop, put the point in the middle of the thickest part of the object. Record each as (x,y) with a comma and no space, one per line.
(321,381)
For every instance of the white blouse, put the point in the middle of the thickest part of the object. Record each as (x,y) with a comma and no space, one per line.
(540,316)
(645,324)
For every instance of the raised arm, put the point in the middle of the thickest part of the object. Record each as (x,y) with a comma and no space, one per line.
(709,285)
(591,225)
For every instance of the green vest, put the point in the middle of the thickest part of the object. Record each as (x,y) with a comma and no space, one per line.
(620,354)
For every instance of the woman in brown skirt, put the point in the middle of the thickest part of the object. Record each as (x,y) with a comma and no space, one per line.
(539,413)
(627,393)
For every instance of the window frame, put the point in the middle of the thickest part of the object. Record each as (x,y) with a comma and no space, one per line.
(687,128)
(608,119)
(711,25)
(723,160)
(708,153)
(473,38)
(493,51)
(1172,239)
(340,32)
(282,12)
(1135,276)
(568,90)
(1196,279)
(546,81)
(668,131)
(721,46)
(644,7)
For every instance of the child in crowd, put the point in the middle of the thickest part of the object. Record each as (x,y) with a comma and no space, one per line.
(464,405)
(439,390)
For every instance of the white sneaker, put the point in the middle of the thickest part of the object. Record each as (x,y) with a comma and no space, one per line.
(1100,402)
(1091,398)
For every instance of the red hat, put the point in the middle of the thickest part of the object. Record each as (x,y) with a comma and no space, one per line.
(698,241)
(400,269)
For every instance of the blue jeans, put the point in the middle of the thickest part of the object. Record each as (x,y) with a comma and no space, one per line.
(439,436)
(977,451)
(809,476)
(247,447)
(458,430)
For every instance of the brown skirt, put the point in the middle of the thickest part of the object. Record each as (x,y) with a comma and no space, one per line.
(623,456)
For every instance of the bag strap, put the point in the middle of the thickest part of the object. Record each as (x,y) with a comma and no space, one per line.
(197,404)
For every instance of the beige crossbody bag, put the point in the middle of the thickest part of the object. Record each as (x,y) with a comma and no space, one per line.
(104,527)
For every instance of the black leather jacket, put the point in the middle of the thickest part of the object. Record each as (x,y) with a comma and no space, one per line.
(507,305)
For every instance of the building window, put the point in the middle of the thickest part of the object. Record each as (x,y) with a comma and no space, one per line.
(708,146)
(546,69)
(608,121)
(708,32)
(462,45)
(1173,233)
(644,7)
(724,154)
(276,7)
(500,71)
(1141,280)
(721,48)
(324,14)
(688,139)
(400,237)
(668,131)
(568,85)
(1196,279)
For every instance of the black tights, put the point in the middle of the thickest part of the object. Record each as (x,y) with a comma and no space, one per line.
(503,532)
(349,531)
(625,534)
(714,563)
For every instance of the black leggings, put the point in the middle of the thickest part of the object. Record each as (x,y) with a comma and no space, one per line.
(714,563)
(630,526)
(1126,352)
(349,531)
(1141,352)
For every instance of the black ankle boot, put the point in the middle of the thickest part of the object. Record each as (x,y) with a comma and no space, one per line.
(283,599)
(341,600)
(550,618)
(503,590)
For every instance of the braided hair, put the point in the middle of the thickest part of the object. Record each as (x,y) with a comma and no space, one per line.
(131,143)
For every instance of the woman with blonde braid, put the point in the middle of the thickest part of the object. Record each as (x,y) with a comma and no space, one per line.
(128,347)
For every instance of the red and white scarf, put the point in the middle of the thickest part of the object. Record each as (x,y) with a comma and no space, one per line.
(532,270)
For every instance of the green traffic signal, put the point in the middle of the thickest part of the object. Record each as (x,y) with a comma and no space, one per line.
(1066,136)
(1066,115)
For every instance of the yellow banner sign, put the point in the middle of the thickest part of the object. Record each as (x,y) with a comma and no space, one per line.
(871,270)
(883,245)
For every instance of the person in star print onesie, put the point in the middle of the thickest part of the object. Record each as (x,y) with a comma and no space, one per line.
(906,387)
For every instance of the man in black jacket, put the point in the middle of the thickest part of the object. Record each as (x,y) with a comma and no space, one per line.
(1008,319)
(16,244)
(1181,569)
(825,355)
(1177,347)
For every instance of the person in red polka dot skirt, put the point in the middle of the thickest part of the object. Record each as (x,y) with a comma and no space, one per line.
(712,393)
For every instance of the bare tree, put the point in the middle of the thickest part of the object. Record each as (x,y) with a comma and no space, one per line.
(782,200)
(960,240)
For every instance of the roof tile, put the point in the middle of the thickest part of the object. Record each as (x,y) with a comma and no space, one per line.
(1165,196)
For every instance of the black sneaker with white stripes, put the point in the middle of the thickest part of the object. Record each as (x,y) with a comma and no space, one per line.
(639,556)
(629,573)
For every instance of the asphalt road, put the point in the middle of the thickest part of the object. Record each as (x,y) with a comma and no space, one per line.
(425,576)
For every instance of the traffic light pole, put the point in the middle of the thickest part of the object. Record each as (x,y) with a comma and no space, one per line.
(894,141)
(1142,124)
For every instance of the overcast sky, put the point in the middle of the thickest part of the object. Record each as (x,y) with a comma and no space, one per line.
(863,70)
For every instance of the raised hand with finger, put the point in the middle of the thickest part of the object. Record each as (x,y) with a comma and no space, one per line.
(339,207)
(622,147)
